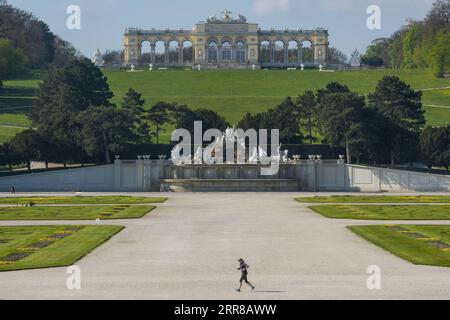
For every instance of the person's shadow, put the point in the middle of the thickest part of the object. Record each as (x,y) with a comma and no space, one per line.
(269,291)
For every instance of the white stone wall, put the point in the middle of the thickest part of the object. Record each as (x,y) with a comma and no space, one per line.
(361,178)
(81,179)
(146,175)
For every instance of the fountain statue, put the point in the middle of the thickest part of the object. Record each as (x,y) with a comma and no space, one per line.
(97,59)
(214,153)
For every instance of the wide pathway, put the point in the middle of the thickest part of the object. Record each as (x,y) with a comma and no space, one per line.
(187,249)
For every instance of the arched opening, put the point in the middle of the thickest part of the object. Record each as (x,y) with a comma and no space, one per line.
(146,52)
(188,51)
(240,52)
(174,52)
(307,52)
(226,51)
(160,52)
(212,51)
(264,52)
(292,51)
(279,52)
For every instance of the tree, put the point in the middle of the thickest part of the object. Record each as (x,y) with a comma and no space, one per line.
(250,121)
(439,16)
(64,93)
(65,53)
(402,108)
(339,115)
(377,53)
(8,156)
(435,145)
(111,57)
(285,118)
(159,115)
(209,118)
(26,145)
(440,53)
(178,112)
(104,130)
(306,105)
(411,43)
(335,56)
(372,61)
(134,105)
(29,34)
(11,59)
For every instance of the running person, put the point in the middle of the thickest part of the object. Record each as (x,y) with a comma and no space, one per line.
(243,267)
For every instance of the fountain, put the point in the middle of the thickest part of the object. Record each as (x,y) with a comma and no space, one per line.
(224,165)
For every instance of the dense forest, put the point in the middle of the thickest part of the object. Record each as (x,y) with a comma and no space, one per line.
(418,44)
(27,43)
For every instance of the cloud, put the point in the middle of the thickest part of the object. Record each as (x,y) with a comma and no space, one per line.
(263,7)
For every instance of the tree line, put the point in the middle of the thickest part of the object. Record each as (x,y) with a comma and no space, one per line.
(74,120)
(27,43)
(419,44)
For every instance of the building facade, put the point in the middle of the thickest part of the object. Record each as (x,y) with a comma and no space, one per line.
(226,43)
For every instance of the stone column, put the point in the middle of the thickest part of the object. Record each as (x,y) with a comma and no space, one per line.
(272,53)
(300,53)
(153,52)
(219,53)
(233,53)
(286,53)
(166,53)
(180,56)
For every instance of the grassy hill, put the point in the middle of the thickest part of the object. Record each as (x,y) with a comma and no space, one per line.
(231,92)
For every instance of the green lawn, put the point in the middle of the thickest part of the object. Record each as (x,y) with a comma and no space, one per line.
(376,199)
(7,133)
(74,213)
(31,247)
(437,212)
(232,93)
(425,244)
(82,200)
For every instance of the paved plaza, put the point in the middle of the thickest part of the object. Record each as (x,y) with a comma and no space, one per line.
(187,249)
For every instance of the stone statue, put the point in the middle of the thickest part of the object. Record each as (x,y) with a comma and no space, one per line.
(212,19)
(226,15)
(242,19)
(355,59)
(97,59)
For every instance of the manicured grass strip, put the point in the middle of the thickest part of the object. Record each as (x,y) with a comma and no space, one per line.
(417,251)
(61,252)
(82,200)
(74,213)
(374,212)
(376,199)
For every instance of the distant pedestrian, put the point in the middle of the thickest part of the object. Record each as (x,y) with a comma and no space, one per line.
(243,267)
(13,190)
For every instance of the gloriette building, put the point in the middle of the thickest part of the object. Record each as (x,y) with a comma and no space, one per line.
(226,43)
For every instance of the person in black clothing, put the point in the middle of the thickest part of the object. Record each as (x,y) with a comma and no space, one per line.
(243,267)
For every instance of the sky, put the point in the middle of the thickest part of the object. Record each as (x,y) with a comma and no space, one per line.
(103,21)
